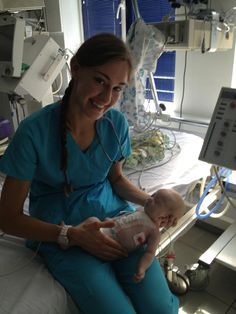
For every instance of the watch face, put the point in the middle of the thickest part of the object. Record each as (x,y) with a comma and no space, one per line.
(63,240)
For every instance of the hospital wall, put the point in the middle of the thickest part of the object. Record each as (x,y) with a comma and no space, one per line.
(65,16)
(64,22)
(205,74)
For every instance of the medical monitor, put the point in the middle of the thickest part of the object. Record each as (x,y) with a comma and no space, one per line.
(12,31)
(219,144)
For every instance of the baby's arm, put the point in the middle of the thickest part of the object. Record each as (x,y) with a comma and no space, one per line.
(148,256)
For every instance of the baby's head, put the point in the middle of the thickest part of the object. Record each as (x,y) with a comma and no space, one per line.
(163,203)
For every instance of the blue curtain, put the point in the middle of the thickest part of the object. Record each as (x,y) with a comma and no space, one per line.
(100,16)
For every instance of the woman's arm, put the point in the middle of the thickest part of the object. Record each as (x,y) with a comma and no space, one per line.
(87,235)
(124,188)
(128,191)
(14,221)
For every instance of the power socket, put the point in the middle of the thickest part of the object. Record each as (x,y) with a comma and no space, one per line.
(165,117)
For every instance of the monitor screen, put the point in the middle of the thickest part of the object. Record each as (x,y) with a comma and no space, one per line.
(6,42)
(12,30)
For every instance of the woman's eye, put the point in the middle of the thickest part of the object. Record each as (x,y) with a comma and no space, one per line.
(118,89)
(99,80)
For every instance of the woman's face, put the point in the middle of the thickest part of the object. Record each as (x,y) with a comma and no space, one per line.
(96,89)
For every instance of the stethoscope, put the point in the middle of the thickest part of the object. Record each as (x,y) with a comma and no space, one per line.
(104,118)
(68,188)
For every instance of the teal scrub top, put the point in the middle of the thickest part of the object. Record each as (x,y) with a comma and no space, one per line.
(34,154)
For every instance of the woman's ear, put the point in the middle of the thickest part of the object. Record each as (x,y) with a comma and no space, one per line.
(74,67)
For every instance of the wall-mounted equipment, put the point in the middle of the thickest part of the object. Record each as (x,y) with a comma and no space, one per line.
(43,60)
(196,34)
(21,5)
(177,4)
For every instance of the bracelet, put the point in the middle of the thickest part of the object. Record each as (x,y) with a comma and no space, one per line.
(62,239)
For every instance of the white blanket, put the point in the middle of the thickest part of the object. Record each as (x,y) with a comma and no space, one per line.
(26,286)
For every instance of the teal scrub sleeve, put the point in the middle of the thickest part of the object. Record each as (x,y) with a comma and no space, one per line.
(20,158)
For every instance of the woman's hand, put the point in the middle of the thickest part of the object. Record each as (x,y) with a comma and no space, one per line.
(89,237)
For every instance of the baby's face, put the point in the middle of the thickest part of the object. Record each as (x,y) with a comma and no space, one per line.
(165,208)
(159,216)
(154,211)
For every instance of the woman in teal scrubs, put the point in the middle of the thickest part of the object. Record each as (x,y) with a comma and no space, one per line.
(68,157)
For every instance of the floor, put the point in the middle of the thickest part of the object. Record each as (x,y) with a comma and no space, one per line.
(219,296)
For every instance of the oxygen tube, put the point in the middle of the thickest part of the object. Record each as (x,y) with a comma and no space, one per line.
(222,171)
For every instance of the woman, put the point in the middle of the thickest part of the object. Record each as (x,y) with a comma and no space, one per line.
(69,157)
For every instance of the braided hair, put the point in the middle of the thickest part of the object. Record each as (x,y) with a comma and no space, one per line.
(64,153)
(95,51)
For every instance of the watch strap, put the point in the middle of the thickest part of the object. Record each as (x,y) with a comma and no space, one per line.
(62,239)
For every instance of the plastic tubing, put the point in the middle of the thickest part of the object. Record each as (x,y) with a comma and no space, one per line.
(210,184)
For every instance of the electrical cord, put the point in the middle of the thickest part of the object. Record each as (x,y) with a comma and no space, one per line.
(169,146)
(183,87)
(156,165)
(146,169)
(211,212)
(60,85)
(223,188)
(166,250)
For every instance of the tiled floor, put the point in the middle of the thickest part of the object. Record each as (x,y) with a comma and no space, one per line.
(219,297)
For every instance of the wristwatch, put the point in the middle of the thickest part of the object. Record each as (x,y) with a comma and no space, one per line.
(62,239)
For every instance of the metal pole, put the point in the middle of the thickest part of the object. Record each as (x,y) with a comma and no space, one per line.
(154,93)
(136,10)
(190,122)
(121,10)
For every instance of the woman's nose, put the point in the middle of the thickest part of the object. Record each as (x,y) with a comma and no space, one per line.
(106,96)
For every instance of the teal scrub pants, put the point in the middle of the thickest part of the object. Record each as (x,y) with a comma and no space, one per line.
(99,287)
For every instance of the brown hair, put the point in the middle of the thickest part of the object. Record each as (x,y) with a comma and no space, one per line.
(101,49)
(95,51)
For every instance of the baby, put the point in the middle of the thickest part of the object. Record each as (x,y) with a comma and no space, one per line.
(134,229)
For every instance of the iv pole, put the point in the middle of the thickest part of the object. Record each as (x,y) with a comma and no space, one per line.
(150,74)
